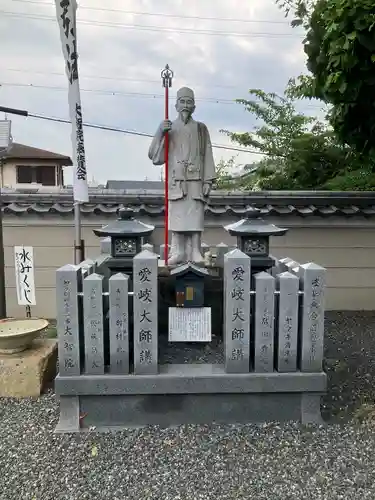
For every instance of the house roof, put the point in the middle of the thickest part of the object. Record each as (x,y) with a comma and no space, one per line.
(21,151)
(106,202)
(189,267)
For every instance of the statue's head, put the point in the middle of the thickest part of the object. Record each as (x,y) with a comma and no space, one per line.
(185,104)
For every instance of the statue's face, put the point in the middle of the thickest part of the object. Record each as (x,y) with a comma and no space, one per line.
(185,107)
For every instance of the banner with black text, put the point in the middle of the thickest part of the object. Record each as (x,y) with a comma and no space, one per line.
(66,15)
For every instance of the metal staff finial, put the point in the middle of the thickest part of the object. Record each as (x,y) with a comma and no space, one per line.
(166,77)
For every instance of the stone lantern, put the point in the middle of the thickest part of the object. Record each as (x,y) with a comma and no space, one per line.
(126,235)
(253,236)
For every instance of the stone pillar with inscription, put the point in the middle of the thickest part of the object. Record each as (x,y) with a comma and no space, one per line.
(105,245)
(93,324)
(292,264)
(288,285)
(237,277)
(87,267)
(283,263)
(119,323)
(204,248)
(68,282)
(264,322)
(313,279)
(148,246)
(221,250)
(162,250)
(145,286)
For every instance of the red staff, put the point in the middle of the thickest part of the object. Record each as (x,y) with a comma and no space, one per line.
(166,76)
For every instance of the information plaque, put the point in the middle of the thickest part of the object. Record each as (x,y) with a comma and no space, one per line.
(189,324)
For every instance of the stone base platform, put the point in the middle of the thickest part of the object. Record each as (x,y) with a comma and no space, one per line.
(187,394)
(26,373)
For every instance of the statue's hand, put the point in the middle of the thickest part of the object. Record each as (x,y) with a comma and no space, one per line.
(165,126)
(206,189)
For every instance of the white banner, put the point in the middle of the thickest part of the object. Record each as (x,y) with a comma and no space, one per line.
(25,284)
(66,16)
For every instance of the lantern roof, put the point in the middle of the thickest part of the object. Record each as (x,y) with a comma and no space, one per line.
(252,224)
(125,225)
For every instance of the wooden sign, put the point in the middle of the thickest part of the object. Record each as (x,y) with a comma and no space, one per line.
(24,268)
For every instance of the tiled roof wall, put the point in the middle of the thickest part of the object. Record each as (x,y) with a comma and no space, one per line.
(106,201)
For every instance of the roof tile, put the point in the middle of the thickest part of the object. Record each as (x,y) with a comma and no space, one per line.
(21,151)
(151,203)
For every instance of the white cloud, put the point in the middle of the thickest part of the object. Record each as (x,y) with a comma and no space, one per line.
(114,57)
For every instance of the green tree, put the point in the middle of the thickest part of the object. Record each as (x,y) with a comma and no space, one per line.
(340,46)
(301,9)
(225,173)
(300,152)
(230,175)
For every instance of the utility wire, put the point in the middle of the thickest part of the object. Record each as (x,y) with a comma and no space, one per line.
(212,100)
(139,27)
(26,114)
(137,95)
(174,16)
(144,80)
(120,79)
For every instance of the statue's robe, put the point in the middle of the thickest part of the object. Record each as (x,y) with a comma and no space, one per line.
(191,164)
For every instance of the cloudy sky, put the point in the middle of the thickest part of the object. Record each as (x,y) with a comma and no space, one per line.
(220,48)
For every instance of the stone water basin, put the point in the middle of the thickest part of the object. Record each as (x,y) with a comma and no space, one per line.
(16,335)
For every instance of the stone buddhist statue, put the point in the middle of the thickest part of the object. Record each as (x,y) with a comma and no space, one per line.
(191,173)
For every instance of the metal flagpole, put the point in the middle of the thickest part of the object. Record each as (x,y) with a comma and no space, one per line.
(5,141)
(166,76)
(3,307)
(79,244)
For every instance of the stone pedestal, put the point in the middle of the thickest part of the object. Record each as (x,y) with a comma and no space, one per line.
(25,374)
(188,394)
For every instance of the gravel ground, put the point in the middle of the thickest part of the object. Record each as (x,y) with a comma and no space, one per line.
(264,462)
(350,365)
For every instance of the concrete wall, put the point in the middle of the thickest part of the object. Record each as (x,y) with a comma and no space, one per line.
(9,175)
(345,247)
